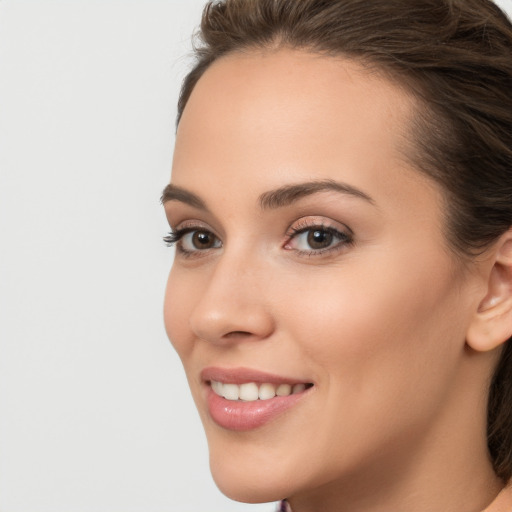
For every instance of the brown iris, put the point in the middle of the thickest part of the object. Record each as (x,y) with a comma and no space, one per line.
(203,240)
(319,239)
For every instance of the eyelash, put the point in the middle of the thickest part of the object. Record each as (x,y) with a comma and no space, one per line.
(345,239)
(175,237)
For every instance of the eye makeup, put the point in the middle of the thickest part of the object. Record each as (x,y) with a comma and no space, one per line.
(308,237)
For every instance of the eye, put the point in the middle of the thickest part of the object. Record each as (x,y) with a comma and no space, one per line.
(190,240)
(199,240)
(317,238)
(313,240)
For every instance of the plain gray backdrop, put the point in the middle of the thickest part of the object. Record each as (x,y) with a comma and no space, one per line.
(95,413)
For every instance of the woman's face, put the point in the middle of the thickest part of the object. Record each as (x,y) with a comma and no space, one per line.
(310,258)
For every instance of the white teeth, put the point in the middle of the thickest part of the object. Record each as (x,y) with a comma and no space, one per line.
(267,391)
(231,391)
(298,388)
(283,390)
(250,391)
(217,387)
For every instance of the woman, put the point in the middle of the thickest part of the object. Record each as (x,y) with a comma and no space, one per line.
(341,296)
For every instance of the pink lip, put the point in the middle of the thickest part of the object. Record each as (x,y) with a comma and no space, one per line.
(244,375)
(244,416)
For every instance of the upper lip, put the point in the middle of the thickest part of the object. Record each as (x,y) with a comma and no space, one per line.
(244,375)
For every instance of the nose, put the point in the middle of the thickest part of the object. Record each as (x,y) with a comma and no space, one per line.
(233,306)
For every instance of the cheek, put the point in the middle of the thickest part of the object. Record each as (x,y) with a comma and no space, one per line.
(376,331)
(376,343)
(180,297)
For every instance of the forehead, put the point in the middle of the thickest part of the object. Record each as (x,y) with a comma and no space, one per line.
(257,121)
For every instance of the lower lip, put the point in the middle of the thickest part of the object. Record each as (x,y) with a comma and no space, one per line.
(243,416)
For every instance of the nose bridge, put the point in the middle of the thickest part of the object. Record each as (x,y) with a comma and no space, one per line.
(234,300)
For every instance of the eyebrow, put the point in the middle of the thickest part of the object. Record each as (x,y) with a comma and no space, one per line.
(288,194)
(273,199)
(174,193)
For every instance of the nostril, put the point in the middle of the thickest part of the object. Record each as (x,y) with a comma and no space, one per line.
(234,334)
(231,321)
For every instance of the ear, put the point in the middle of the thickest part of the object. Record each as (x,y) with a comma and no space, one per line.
(492,323)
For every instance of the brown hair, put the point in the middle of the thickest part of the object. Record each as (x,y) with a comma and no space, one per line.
(455,57)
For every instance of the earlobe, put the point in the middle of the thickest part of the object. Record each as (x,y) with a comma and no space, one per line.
(491,324)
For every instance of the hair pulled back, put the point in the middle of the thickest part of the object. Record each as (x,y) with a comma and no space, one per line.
(455,58)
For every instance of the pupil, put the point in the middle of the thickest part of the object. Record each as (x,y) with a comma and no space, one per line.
(202,240)
(319,239)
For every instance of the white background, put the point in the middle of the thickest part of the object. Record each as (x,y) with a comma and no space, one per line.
(95,413)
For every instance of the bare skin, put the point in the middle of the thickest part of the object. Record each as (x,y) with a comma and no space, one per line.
(379,316)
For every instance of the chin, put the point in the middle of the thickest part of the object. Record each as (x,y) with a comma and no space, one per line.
(254,480)
(248,489)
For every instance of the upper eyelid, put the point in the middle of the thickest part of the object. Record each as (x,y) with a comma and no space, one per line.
(307,223)
(180,232)
(176,236)
(192,225)
(320,226)
(340,233)
(179,213)
(302,224)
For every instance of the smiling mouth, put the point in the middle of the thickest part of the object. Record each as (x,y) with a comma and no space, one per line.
(252,391)
(243,399)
